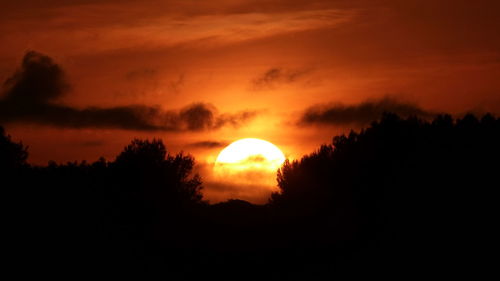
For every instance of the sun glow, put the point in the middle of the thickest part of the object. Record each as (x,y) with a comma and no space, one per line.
(246,170)
(250,154)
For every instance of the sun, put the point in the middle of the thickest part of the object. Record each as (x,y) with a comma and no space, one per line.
(245,169)
(249,154)
(249,162)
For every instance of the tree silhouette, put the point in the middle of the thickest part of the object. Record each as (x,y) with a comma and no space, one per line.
(12,155)
(409,185)
(146,164)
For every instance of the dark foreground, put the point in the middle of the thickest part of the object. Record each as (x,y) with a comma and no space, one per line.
(402,198)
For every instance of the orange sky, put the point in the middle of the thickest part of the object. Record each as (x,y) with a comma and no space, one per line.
(271,59)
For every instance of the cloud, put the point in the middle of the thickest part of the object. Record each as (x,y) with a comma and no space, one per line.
(360,114)
(29,94)
(39,80)
(161,23)
(275,76)
(209,144)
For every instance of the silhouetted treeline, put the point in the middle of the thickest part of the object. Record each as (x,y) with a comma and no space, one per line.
(101,215)
(404,196)
(419,194)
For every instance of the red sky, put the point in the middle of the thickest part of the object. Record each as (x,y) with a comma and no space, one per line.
(255,67)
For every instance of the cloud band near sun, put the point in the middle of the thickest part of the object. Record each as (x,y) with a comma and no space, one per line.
(29,95)
(358,114)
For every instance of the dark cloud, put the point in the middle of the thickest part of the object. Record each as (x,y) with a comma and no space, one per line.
(198,117)
(209,144)
(359,114)
(38,81)
(275,76)
(29,94)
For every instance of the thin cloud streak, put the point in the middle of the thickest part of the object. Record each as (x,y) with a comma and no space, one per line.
(276,76)
(208,144)
(94,25)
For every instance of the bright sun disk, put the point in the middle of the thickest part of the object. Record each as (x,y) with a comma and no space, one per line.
(250,153)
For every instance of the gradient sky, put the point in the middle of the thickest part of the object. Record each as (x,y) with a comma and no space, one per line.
(201,74)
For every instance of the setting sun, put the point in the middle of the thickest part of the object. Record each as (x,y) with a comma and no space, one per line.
(245,169)
(250,153)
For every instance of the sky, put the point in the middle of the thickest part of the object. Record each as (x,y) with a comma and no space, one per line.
(81,79)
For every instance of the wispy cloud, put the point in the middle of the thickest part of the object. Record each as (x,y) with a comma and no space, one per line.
(209,144)
(276,76)
(101,27)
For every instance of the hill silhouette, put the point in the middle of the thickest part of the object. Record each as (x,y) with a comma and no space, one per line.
(404,196)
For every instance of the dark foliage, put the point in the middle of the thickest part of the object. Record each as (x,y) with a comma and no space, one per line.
(12,155)
(98,216)
(414,194)
(404,196)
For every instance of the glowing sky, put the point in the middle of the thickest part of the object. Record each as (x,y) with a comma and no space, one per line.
(292,72)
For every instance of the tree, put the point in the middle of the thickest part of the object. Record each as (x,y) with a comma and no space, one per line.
(12,155)
(400,180)
(145,166)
